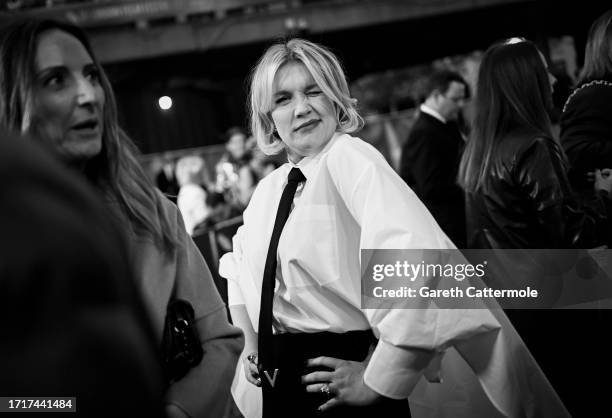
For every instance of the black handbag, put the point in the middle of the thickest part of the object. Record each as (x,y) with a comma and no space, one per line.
(181,346)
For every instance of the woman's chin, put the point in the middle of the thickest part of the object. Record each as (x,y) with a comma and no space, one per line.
(79,154)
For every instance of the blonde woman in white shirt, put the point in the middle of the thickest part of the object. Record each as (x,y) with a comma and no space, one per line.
(324,354)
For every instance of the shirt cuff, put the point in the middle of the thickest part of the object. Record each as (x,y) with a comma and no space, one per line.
(227,266)
(228,269)
(393,372)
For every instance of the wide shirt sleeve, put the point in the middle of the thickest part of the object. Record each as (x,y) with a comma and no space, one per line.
(408,339)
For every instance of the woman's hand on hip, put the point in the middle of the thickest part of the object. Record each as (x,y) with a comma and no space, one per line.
(344,383)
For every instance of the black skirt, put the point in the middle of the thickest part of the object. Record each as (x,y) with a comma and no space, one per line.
(288,397)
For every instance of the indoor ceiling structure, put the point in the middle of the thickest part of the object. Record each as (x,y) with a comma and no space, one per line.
(201,52)
(138,29)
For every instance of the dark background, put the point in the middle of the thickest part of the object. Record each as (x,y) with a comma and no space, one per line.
(209,88)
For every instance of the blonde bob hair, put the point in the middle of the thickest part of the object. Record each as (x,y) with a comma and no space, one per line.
(326,72)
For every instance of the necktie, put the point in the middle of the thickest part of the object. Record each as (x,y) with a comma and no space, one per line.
(269,276)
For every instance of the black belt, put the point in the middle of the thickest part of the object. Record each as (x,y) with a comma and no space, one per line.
(284,394)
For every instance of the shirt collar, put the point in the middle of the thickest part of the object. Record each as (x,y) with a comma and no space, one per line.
(307,164)
(426,109)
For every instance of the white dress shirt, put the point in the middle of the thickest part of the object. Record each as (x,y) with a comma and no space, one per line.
(426,109)
(352,199)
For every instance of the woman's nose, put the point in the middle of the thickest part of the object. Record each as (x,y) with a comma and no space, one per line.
(86,92)
(302,106)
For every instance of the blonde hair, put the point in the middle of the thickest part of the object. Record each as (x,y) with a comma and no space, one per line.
(326,72)
(598,53)
(189,170)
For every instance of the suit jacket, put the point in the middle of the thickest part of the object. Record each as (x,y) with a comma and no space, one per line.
(429,165)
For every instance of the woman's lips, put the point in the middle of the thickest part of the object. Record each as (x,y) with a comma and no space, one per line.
(307,125)
(86,128)
(86,125)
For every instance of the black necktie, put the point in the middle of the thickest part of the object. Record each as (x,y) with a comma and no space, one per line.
(269,276)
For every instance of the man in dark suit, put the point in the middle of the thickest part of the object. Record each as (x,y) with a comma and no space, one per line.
(431,154)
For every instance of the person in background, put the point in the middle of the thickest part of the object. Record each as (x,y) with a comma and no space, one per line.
(586,121)
(53,88)
(192,196)
(165,179)
(235,177)
(72,320)
(519,197)
(513,170)
(431,154)
(294,272)
(586,137)
(263,164)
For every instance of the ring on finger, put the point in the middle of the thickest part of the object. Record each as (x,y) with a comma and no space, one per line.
(325,389)
(252,358)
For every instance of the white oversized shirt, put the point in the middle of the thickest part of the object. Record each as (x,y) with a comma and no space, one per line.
(352,199)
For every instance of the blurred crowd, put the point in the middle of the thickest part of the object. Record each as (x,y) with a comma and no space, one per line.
(208,195)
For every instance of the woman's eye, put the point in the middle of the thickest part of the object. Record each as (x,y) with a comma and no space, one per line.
(281,100)
(93,75)
(313,93)
(54,80)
